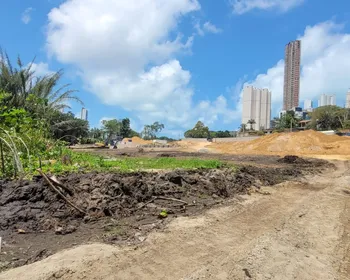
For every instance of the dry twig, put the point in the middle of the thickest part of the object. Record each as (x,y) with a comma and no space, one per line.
(171,199)
(60,194)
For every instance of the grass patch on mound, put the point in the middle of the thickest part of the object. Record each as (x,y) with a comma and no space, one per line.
(84,162)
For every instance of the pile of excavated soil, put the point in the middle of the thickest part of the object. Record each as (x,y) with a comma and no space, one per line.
(33,206)
(137,140)
(35,222)
(301,143)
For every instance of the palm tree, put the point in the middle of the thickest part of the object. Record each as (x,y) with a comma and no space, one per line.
(42,97)
(251,122)
(242,127)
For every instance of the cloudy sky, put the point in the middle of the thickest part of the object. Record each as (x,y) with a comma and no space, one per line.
(179,61)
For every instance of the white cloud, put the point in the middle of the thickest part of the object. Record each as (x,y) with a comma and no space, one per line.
(244,6)
(41,69)
(26,15)
(126,54)
(211,28)
(325,65)
(207,27)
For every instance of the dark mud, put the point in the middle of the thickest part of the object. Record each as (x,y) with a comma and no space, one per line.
(36,222)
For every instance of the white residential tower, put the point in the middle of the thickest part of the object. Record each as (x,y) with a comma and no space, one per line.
(347,104)
(326,100)
(308,105)
(257,107)
(84,114)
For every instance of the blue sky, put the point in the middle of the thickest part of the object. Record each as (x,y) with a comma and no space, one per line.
(179,61)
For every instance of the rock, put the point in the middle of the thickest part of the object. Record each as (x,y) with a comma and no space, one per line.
(141,238)
(59,230)
(70,229)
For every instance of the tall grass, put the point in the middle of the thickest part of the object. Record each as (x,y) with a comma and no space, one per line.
(12,150)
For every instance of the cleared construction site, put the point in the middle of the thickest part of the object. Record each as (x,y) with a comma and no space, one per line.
(276,207)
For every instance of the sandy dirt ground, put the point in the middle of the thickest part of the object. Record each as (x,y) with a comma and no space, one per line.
(301,230)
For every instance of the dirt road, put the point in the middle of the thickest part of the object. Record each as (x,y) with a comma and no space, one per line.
(300,231)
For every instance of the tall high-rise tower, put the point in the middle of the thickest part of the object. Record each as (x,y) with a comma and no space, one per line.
(84,114)
(347,104)
(291,88)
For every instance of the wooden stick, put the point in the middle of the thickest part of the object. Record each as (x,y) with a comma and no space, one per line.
(171,199)
(60,194)
(148,202)
(67,189)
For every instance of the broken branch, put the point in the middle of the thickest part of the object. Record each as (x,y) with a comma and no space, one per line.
(60,194)
(67,189)
(148,202)
(171,199)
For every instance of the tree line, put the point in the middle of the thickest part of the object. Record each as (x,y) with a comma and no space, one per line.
(202,131)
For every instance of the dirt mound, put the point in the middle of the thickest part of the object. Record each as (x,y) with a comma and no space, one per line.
(300,143)
(294,160)
(32,206)
(67,264)
(120,206)
(137,140)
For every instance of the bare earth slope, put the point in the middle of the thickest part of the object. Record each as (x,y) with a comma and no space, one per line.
(304,143)
(300,231)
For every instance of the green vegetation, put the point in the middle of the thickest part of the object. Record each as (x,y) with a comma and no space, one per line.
(251,122)
(150,131)
(34,130)
(31,118)
(199,131)
(330,118)
(202,131)
(287,121)
(85,162)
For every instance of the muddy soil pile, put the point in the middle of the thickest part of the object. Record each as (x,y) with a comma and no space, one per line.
(299,143)
(33,206)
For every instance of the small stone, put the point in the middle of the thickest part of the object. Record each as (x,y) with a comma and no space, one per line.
(70,229)
(141,238)
(59,230)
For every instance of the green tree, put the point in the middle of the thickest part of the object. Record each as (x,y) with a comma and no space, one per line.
(96,133)
(329,118)
(223,134)
(125,130)
(112,127)
(199,131)
(150,131)
(287,121)
(67,127)
(42,97)
(243,127)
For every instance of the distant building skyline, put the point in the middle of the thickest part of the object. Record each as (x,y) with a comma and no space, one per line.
(308,105)
(291,87)
(257,106)
(347,102)
(326,100)
(84,114)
